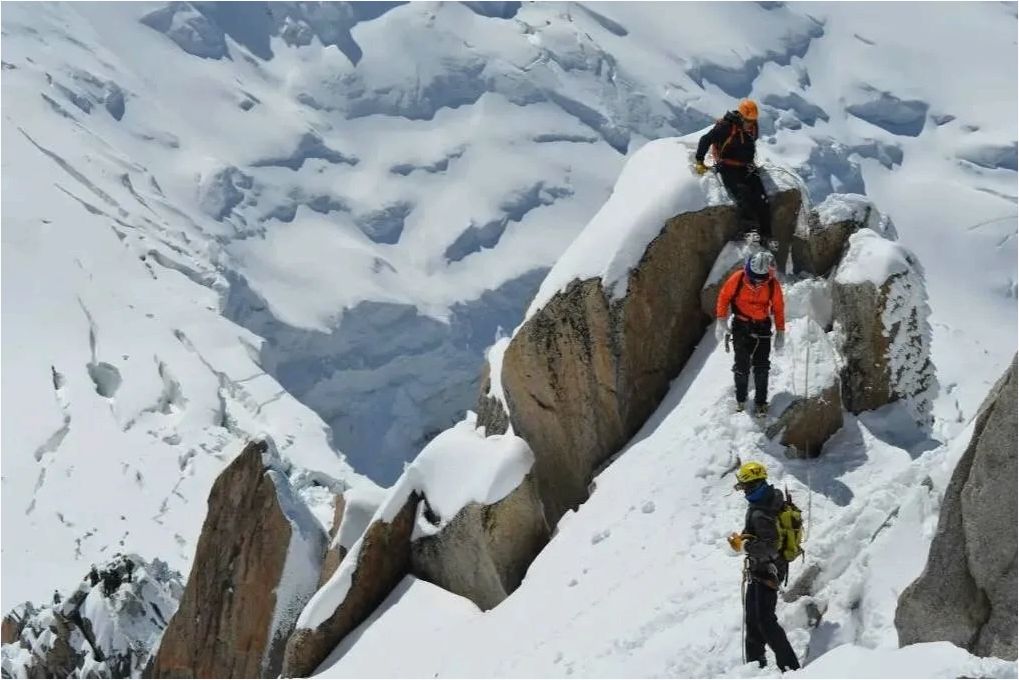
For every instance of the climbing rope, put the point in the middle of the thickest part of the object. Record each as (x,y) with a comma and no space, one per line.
(806,445)
(743,610)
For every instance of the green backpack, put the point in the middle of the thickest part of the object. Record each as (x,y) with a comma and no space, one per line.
(790,530)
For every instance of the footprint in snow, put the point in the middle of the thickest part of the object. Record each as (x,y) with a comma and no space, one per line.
(648,507)
(600,536)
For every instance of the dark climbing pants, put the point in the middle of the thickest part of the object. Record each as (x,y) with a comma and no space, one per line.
(748,192)
(751,344)
(762,628)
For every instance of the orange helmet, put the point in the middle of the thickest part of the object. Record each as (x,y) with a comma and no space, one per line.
(748,109)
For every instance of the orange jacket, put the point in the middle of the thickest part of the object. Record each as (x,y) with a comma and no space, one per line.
(754,302)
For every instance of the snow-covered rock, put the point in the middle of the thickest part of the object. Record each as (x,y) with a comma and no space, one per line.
(482,552)
(257,564)
(967,591)
(462,484)
(14,621)
(618,316)
(106,628)
(365,576)
(820,240)
(881,316)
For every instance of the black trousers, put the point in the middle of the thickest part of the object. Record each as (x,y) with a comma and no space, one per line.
(751,347)
(748,191)
(762,628)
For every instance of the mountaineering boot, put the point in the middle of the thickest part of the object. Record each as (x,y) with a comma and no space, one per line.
(760,410)
(741,406)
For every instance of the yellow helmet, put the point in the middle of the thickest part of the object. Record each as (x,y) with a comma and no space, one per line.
(751,472)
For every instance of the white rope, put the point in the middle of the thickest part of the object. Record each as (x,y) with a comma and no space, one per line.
(806,395)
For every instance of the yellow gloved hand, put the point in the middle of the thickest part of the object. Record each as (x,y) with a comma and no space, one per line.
(700,168)
(736,541)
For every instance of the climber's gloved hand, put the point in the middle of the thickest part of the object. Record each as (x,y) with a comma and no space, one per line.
(779,341)
(720,329)
(735,541)
(700,168)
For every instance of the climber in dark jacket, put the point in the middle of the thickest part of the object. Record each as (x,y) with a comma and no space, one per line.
(734,143)
(766,568)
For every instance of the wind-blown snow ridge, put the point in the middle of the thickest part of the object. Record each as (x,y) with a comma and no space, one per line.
(657,183)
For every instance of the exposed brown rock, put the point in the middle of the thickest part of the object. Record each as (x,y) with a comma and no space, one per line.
(582,375)
(14,622)
(335,552)
(967,591)
(818,250)
(729,260)
(484,551)
(382,561)
(807,423)
(491,414)
(224,625)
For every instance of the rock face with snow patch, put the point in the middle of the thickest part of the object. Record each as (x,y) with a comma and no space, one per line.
(382,559)
(807,423)
(807,420)
(818,244)
(880,310)
(14,622)
(106,628)
(336,552)
(484,551)
(256,565)
(728,261)
(465,515)
(491,413)
(585,371)
(967,592)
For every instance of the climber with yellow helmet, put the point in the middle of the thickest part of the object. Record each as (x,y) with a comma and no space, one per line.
(733,143)
(766,566)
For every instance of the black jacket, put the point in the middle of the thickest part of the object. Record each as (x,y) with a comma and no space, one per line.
(761,524)
(730,140)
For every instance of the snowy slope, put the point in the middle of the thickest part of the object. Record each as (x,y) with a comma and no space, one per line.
(377,190)
(640,582)
(125,391)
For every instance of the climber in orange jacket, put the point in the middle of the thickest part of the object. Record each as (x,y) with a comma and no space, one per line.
(753,295)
